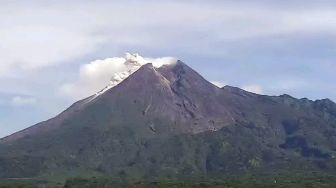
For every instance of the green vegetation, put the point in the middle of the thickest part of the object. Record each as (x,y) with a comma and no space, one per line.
(297,180)
(282,180)
(28,183)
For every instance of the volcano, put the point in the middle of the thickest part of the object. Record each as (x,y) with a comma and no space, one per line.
(169,122)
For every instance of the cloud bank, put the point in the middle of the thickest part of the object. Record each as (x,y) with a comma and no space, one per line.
(254,88)
(23,101)
(35,35)
(218,83)
(98,76)
(280,46)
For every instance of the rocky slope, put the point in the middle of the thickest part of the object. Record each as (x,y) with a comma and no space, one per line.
(170,122)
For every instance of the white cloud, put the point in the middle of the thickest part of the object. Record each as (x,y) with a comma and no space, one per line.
(253,88)
(35,35)
(104,74)
(37,38)
(288,84)
(23,101)
(218,83)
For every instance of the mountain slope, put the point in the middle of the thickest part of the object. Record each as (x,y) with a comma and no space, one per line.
(171,122)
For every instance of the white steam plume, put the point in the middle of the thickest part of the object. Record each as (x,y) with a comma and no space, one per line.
(108,73)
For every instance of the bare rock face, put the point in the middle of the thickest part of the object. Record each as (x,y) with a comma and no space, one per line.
(171,122)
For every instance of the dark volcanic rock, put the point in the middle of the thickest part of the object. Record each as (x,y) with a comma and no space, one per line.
(170,122)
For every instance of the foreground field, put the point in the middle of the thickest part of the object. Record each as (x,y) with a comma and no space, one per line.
(297,180)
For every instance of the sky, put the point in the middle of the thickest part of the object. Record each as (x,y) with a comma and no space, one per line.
(53,53)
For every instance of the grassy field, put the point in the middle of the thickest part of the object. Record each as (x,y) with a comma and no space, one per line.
(283,180)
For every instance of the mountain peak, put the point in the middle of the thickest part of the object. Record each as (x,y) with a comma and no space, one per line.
(170,116)
(183,76)
(132,62)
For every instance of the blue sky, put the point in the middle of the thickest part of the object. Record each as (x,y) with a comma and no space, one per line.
(269,47)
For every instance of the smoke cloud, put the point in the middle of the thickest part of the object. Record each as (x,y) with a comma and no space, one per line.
(98,76)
